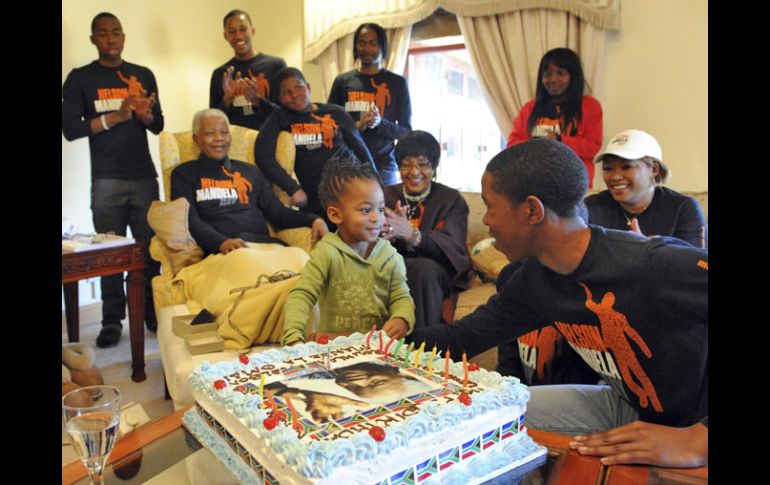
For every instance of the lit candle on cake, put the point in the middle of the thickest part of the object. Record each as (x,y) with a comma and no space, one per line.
(430,362)
(446,365)
(419,352)
(465,370)
(262,389)
(270,401)
(392,339)
(369,336)
(408,353)
(398,347)
(295,424)
(380,339)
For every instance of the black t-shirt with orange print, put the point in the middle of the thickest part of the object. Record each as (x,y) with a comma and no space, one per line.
(122,152)
(318,136)
(262,69)
(635,310)
(230,202)
(355,92)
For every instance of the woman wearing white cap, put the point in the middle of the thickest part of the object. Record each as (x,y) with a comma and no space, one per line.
(636,199)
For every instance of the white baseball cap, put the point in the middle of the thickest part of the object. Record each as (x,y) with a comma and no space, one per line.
(632,145)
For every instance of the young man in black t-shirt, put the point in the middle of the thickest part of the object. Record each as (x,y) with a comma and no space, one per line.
(244,86)
(635,309)
(376,99)
(114,103)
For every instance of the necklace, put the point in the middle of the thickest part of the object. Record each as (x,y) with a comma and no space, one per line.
(414,204)
(632,215)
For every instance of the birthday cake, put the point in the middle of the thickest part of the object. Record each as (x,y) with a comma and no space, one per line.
(360,409)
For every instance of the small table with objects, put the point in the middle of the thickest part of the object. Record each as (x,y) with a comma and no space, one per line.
(164,452)
(105,262)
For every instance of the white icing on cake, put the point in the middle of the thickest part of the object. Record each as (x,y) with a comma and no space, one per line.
(426,428)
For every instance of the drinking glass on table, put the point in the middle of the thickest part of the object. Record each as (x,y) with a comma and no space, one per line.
(91,418)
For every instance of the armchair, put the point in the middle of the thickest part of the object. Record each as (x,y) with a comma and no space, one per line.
(178,148)
(179,250)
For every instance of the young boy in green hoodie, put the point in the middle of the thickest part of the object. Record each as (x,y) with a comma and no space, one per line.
(359,279)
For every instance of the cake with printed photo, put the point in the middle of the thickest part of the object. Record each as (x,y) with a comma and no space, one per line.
(362,409)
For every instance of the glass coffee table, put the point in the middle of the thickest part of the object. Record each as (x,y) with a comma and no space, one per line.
(164,452)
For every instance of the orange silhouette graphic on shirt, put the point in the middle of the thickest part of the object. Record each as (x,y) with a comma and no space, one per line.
(263,86)
(241,185)
(382,96)
(546,350)
(614,327)
(134,86)
(328,129)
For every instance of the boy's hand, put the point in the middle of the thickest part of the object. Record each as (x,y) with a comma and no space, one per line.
(396,328)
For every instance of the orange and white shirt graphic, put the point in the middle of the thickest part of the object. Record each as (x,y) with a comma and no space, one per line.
(110,99)
(314,135)
(263,91)
(362,101)
(227,192)
(608,351)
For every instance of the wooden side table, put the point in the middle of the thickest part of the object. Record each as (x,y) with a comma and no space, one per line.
(105,262)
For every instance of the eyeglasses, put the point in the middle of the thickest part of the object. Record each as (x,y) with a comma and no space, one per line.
(421,166)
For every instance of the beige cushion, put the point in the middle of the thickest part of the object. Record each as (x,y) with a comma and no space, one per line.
(488,260)
(170,222)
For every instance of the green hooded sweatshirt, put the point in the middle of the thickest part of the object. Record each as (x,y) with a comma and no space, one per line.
(354,293)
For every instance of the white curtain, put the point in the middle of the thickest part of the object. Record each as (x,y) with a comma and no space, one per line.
(338,57)
(327,21)
(506,50)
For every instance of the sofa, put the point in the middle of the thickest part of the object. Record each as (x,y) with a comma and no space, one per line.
(177,361)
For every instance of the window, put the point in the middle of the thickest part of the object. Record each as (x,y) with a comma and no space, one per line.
(447,102)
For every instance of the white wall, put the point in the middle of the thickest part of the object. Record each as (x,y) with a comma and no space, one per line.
(657,81)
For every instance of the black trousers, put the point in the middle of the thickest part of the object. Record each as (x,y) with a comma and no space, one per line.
(117,204)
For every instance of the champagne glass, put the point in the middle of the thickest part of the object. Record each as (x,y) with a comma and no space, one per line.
(91,417)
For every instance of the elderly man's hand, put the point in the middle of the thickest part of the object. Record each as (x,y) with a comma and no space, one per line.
(231,245)
(318,230)
(647,443)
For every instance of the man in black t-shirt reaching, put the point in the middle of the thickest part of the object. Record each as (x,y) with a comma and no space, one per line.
(635,309)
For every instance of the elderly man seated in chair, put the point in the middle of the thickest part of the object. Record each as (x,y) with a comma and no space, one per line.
(231,205)
(230,202)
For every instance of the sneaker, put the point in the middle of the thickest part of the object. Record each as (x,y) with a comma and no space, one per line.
(109,336)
